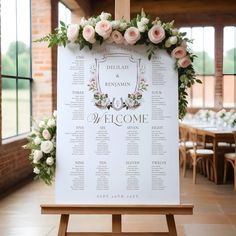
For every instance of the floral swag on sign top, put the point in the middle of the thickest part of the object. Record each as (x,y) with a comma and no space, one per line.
(103,29)
(140,30)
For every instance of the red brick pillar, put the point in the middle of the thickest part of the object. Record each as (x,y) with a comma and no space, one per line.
(218,66)
(44,20)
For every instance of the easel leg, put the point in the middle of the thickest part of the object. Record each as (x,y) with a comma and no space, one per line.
(63,225)
(116,223)
(171,225)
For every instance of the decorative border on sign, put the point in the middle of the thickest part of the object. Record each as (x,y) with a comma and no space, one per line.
(131,101)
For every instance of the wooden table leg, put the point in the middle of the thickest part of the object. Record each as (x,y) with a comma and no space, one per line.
(171,225)
(63,225)
(116,223)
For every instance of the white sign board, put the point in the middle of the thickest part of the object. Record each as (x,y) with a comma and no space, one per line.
(117,130)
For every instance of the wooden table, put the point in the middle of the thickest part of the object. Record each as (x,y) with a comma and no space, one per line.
(215,135)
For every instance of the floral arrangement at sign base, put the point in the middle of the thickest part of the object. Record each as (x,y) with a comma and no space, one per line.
(140,30)
(42,143)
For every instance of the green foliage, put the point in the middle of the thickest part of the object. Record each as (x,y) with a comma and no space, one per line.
(204,64)
(9,63)
(59,36)
(21,47)
(230,62)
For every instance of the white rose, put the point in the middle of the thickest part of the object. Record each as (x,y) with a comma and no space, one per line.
(50,161)
(37,140)
(36,170)
(123,26)
(46,146)
(115,24)
(72,32)
(105,15)
(83,22)
(173,40)
(104,28)
(51,122)
(145,20)
(174,32)
(141,26)
(55,113)
(167,43)
(91,21)
(41,124)
(37,155)
(46,134)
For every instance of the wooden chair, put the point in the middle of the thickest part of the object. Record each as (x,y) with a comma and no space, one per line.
(230,158)
(184,146)
(200,154)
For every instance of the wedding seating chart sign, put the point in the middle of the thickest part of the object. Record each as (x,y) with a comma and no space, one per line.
(117,130)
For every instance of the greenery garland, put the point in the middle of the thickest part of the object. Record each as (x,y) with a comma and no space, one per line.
(140,30)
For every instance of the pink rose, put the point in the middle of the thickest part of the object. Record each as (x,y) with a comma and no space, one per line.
(46,134)
(132,35)
(72,32)
(89,34)
(156,34)
(184,62)
(117,37)
(103,28)
(178,52)
(109,40)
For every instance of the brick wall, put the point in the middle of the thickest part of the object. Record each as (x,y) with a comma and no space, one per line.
(14,164)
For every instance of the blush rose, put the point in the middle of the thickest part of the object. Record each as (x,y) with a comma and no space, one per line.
(117,37)
(46,134)
(184,62)
(103,28)
(72,32)
(156,34)
(132,35)
(89,34)
(178,52)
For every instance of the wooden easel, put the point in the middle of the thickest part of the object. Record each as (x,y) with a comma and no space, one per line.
(117,211)
(122,9)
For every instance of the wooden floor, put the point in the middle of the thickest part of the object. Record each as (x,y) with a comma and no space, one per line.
(214,212)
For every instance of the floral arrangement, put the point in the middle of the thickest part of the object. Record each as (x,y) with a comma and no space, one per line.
(232,120)
(140,30)
(42,143)
(221,114)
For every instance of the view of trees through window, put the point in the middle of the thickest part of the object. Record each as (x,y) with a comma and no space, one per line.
(202,95)
(16,72)
(9,63)
(229,67)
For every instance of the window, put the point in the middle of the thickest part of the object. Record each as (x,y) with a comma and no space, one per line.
(229,67)
(16,72)
(64,13)
(202,95)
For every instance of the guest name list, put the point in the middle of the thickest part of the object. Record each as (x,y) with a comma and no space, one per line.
(117,130)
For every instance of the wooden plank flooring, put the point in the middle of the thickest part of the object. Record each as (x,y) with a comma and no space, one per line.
(214,212)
